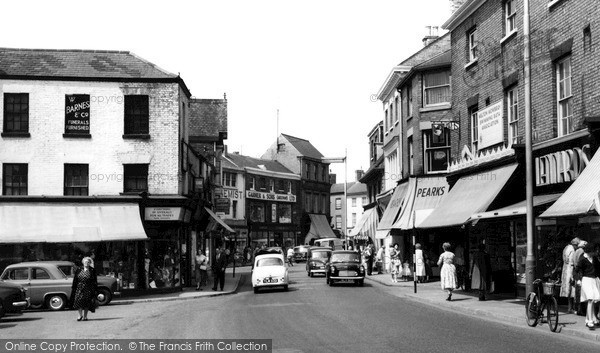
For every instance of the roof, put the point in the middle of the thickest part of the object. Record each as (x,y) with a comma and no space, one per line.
(250,162)
(339,188)
(443,60)
(357,188)
(304,147)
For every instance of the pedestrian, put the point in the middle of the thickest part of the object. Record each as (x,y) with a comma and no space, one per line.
(448,271)
(579,306)
(481,271)
(84,289)
(396,262)
(567,289)
(201,269)
(420,261)
(290,256)
(380,258)
(459,263)
(590,284)
(368,254)
(219,267)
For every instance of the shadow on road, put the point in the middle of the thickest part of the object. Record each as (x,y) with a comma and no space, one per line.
(6,326)
(20,319)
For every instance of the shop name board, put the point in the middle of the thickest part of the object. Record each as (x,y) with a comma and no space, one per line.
(77,114)
(490,125)
(431,192)
(561,167)
(222,205)
(232,194)
(163,213)
(270,197)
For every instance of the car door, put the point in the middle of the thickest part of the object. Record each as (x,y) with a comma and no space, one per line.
(19,275)
(42,282)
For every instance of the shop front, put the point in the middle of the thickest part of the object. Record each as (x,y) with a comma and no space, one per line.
(385,234)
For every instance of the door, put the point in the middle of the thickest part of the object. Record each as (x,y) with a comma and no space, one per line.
(19,275)
(42,282)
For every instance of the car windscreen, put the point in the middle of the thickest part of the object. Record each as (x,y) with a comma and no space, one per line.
(300,249)
(320,255)
(346,257)
(272,261)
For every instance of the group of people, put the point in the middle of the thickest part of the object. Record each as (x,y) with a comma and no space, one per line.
(580,282)
(218,268)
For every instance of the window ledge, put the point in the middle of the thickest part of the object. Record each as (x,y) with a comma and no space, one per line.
(408,118)
(132,193)
(433,108)
(471,63)
(508,36)
(136,136)
(15,134)
(396,123)
(553,3)
(78,136)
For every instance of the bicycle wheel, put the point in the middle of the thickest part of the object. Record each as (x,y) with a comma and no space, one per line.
(532,309)
(552,311)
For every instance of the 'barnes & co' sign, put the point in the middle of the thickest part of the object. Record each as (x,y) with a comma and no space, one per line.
(77,114)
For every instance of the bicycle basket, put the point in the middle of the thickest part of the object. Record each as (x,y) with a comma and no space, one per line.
(548,288)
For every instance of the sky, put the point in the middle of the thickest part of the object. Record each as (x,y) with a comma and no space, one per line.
(319,63)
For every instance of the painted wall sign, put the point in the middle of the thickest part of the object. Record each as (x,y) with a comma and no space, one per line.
(270,197)
(491,125)
(163,213)
(561,167)
(233,194)
(77,114)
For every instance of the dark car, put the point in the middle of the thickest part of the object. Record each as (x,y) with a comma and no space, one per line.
(300,253)
(318,257)
(344,265)
(48,283)
(13,298)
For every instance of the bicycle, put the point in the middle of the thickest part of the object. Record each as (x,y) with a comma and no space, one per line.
(542,298)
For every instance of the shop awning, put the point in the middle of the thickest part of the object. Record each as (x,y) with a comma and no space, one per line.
(319,228)
(69,223)
(393,208)
(518,209)
(423,197)
(579,198)
(471,194)
(367,225)
(218,220)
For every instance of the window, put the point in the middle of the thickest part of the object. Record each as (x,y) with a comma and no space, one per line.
(587,40)
(436,88)
(364,200)
(474,129)
(316,204)
(307,170)
(285,213)
(307,202)
(472,44)
(229,179)
(411,159)
(38,273)
(437,149)
(289,190)
(273,213)
(234,208)
(77,114)
(324,173)
(135,177)
(325,203)
(409,101)
(511,14)
(316,171)
(252,183)
(76,179)
(257,212)
(353,219)
(512,110)
(564,97)
(338,203)
(17,274)
(397,109)
(338,222)
(404,103)
(354,202)
(137,115)
(272,185)
(16,112)
(387,120)
(14,179)
(262,183)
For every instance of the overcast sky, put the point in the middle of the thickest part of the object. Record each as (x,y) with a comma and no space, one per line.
(318,62)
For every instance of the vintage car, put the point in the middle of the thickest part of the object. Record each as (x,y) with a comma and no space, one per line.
(301,253)
(345,265)
(318,257)
(48,283)
(269,271)
(13,298)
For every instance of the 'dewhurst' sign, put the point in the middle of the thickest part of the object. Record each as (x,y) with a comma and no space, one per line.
(270,197)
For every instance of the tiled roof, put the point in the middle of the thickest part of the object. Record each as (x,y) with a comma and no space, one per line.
(444,59)
(251,162)
(101,64)
(339,188)
(357,188)
(303,146)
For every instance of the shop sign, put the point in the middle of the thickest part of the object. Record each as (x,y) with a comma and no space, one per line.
(234,194)
(561,167)
(490,126)
(77,114)
(270,196)
(163,214)
(222,205)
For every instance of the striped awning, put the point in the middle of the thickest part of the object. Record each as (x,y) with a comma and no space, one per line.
(367,225)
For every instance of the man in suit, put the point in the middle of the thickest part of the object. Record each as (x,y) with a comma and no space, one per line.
(219,267)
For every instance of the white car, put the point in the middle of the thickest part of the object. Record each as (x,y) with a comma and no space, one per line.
(269,271)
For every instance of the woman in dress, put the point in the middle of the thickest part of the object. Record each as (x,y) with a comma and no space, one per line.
(396,262)
(566,288)
(201,269)
(590,284)
(448,271)
(481,271)
(420,260)
(83,290)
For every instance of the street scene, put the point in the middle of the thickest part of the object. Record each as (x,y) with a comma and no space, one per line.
(274,176)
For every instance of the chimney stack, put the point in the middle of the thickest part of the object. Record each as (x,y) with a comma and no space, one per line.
(455,4)
(432,34)
(359,174)
(332,178)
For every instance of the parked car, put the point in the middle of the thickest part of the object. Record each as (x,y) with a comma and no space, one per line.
(48,283)
(318,257)
(345,265)
(13,298)
(300,253)
(269,271)
(333,243)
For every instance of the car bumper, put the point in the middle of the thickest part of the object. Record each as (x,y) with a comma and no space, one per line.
(278,284)
(21,305)
(317,270)
(346,277)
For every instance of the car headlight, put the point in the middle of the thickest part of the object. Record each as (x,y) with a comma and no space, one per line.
(361,269)
(333,269)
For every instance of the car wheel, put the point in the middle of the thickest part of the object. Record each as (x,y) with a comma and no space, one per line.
(104,296)
(56,302)
(255,289)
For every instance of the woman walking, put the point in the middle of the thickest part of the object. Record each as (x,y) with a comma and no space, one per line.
(420,260)
(566,288)
(396,262)
(590,284)
(481,271)
(201,269)
(83,290)
(448,271)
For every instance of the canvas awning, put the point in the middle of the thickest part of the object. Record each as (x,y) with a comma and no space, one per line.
(367,225)
(319,228)
(218,220)
(582,196)
(393,208)
(69,223)
(471,194)
(518,209)
(423,196)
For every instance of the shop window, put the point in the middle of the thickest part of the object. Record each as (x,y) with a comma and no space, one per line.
(14,179)
(273,213)
(76,180)
(16,113)
(257,212)
(285,213)
(137,116)
(437,149)
(436,88)
(564,97)
(135,177)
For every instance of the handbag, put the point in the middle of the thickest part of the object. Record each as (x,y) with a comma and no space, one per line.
(203,267)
